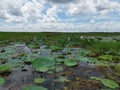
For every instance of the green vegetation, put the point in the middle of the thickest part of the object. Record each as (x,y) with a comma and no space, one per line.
(2,81)
(109,47)
(106,57)
(63,79)
(5,69)
(43,64)
(67,59)
(71,62)
(34,88)
(108,83)
(39,80)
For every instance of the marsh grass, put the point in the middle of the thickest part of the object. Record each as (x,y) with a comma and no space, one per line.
(110,47)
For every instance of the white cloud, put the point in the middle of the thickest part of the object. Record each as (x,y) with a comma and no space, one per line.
(51,15)
(62,1)
(87,7)
(64,27)
(67,27)
(92,21)
(47,19)
(83,7)
(12,28)
(35,15)
(10,10)
(20,10)
(52,11)
(32,11)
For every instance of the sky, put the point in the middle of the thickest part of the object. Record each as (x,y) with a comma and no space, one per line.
(60,15)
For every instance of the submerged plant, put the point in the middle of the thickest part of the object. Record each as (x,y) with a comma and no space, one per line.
(34,88)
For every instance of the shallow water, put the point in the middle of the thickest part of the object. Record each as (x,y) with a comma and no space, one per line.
(79,76)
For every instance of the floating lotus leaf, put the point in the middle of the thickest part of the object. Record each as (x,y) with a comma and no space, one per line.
(39,80)
(43,64)
(2,81)
(71,62)
(107,82)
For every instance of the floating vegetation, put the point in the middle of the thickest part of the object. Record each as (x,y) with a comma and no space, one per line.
(106,57)
(5,69)
(63,79)
(43,64)
(107,82)
(2,81)
(71,62)
(39,80)
(60,61)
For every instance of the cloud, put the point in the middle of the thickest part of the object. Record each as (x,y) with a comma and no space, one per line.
(52,11)
(93,7)
(83,7)
(92,21)
(60,15)
(47,19)
(64,27)
(62,1)
(20,10)
(32,11)
(27,11)
(10,10)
